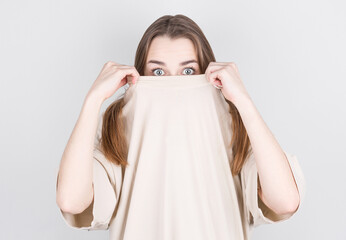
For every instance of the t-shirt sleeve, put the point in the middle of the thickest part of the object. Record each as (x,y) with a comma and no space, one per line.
(106,184)
(257,212)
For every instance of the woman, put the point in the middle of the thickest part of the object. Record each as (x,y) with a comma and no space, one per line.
(89,192)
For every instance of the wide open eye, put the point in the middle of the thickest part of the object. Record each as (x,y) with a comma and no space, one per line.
(159,70)
(190,71)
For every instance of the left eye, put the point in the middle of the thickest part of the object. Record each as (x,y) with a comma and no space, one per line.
(189,70)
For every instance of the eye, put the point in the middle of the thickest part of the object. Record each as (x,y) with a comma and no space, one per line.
(191,68)
(159,69)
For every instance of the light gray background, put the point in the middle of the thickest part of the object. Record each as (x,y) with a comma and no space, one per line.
(291,56)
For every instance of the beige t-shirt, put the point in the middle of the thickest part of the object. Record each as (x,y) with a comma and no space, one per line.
(178,184)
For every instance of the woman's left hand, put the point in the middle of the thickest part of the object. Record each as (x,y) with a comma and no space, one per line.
(226,76)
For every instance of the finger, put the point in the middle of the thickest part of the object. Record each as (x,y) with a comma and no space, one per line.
(110,63)
(129,73)
(216,77)
(133,76)
(211,69)
(234,67)
(122,82)
(106,65)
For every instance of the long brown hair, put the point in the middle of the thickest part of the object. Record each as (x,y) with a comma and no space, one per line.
(113,143)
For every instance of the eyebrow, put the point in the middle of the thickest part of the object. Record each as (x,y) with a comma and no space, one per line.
(181,64)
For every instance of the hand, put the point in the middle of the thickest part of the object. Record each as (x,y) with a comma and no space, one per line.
(111,78)
(226,75)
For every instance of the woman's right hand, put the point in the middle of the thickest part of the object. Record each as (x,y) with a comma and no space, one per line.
(112,77)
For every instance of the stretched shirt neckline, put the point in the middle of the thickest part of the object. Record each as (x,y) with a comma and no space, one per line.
(177,81)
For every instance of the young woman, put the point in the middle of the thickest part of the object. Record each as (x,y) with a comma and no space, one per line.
(96,186)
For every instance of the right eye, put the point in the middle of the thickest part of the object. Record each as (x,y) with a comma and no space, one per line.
(154,70)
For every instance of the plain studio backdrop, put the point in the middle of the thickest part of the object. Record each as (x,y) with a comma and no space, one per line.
(291,57)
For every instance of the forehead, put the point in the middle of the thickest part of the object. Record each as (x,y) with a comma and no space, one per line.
(165,49)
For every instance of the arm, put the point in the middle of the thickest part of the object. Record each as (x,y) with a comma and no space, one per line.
(75,190)
(277,188)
